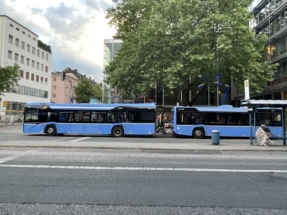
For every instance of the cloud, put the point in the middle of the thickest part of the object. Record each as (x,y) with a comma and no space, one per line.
(75,30)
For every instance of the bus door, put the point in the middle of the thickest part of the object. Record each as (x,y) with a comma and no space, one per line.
(64,121)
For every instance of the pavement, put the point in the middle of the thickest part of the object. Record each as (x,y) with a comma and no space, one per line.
(157,142)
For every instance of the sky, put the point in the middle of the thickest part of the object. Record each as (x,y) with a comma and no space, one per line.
(75,30)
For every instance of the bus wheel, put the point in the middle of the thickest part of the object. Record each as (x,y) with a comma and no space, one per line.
(117,131)
(51,131)
(198,133)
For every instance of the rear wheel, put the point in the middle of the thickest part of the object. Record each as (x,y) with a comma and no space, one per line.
(198,133)
(51,130)
(117,131)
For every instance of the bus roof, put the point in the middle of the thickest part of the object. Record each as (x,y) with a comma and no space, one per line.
(222,108)
(85,106)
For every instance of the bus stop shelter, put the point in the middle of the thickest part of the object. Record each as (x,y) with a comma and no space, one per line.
(252,109)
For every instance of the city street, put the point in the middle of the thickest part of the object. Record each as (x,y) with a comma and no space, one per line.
(94,180)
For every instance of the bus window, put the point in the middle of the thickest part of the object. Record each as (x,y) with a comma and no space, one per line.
(66,116)
(231,118)
(82,116)
(100,117)
(31,115)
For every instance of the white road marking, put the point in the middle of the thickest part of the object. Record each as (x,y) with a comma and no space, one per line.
(12,157)
(142,168)
(76,140)
(61,139)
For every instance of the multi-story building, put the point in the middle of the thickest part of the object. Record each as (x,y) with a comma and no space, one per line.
(63,91)
(270,18)
(20,45)
(111,48)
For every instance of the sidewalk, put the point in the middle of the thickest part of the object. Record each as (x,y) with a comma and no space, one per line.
(9,124)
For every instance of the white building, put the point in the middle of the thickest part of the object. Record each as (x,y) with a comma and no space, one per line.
(20,45)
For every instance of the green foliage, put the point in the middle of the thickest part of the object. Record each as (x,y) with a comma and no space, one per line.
(44,46)
(9,76)
(86,90)
(170,41)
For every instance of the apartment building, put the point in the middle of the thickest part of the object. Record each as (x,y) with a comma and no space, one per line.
(270,18)
(20,45)
(63,91)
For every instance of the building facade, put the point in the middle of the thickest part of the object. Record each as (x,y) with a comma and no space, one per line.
(63,91)
(270,18)
(111,48)
(20,45)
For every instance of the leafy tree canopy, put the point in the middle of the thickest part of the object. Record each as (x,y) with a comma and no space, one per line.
(9,76)
(177,41)
(86,90)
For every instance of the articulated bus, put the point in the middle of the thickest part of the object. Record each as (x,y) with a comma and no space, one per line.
(230,121)
(91,119)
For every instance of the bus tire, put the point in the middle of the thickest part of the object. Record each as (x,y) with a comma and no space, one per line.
(118,131)
(198,133)
(51,130)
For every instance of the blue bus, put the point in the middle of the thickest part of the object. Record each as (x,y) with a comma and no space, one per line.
(230,121)
(91,119)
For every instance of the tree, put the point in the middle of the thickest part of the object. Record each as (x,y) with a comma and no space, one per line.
(86,90)
(176,42)
(9,76)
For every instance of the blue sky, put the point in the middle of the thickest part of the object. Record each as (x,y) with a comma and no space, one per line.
(75,30)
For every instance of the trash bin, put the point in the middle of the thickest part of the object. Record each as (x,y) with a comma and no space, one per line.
(215,138)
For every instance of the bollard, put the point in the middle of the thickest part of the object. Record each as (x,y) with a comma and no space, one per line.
(215,137)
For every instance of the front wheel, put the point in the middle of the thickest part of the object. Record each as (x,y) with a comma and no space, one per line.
(198,133)
(117,131)
(51,131)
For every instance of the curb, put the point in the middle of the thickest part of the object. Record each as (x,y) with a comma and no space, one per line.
(141,148)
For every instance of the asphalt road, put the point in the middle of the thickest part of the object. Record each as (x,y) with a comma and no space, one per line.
(93,181)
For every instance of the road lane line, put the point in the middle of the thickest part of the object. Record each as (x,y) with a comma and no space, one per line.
(61,139)
(77,140)
(13,157)
(142,168)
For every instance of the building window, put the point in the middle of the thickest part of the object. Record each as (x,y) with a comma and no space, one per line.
(42,79)
(47,57)
(55,79)
(54,96)
(33,50)
(10,54)
(17,42)
(42,55)
(10,39)
(46,68)
(16,57)
(23,32)
(38,52)
(34,38)
(23,45)
(21,73)
(54,87)
(27,75)
(29,36)
(33,64)
(38,65)
(37,78)
(17,29)
(42,67)
(22,59)
(28,62)
(11,25)
(32,77)
(46,80)
(28,47)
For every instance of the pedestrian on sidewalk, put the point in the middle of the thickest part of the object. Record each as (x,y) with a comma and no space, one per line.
(262,137)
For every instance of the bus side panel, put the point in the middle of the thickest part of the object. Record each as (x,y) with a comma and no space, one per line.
(63,128)
(141,129)
(105,128)
(228,131)
(128,128)
(38,129)
(27,127)
(91,128)
(78,128)
(184,130)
